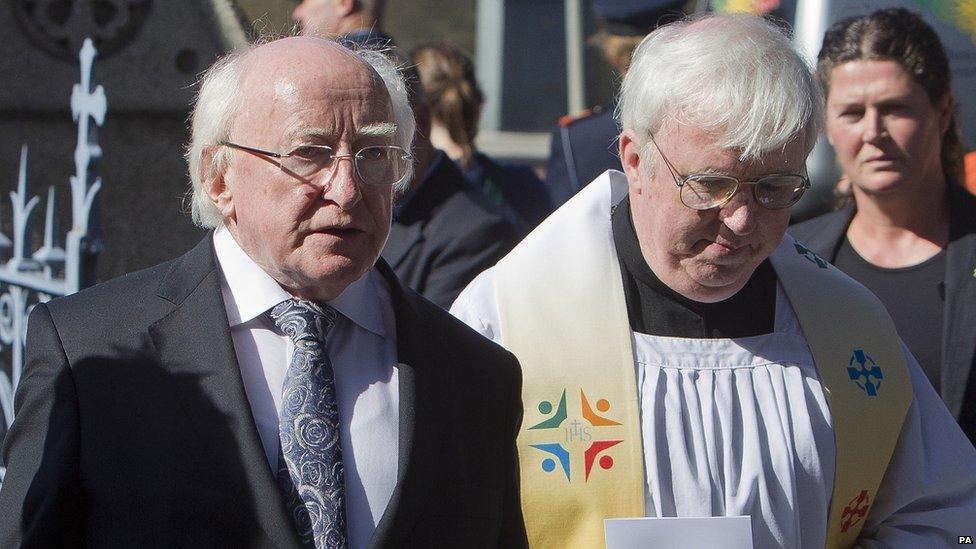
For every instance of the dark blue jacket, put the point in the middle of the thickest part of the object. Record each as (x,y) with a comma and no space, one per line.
(522,196)
(581,149)
(445,233)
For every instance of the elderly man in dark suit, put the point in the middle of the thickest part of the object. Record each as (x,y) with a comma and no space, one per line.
(276,386)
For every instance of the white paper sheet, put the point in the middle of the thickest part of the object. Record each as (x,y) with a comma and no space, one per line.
(679,533)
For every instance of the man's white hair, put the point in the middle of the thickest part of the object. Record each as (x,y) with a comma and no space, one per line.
(221,96)
(737,76)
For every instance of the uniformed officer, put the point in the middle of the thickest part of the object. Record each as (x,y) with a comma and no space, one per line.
(585,145)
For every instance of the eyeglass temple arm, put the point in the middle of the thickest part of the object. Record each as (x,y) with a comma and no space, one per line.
(251,149)
(679,181)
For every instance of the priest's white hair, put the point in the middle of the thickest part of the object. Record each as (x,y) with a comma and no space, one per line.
(737,76)
(221,95)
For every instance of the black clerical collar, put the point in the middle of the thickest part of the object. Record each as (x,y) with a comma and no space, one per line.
(656,309)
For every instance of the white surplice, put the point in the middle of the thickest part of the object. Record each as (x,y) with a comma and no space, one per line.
(742,427)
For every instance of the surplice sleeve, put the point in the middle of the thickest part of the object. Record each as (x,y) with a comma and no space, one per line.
(477,308)
(928,495)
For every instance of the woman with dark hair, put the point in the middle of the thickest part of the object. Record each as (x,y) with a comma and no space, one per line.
(908,228)
(447,77)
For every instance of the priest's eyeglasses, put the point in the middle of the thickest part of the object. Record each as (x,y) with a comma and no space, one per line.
(704,191)
(376,165)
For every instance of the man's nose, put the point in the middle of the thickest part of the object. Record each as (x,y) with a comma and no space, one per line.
(740,213)
(340,185)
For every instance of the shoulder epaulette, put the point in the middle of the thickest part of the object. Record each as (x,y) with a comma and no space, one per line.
(568,119)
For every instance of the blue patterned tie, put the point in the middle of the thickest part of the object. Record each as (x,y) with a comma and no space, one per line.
(310,471)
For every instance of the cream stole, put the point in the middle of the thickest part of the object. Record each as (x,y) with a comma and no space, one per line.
(562,313)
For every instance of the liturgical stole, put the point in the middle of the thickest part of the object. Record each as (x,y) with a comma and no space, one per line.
(562,312)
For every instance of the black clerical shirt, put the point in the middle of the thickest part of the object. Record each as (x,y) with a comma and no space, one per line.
(655,309)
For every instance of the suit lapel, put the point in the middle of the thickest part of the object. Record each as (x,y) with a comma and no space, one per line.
(194,338)
(417,449)
(830,234)
(959,330)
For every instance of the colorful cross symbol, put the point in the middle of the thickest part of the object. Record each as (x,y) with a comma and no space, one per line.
(870,373)
(856,509)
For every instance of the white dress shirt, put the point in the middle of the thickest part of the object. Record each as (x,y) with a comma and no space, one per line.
(362,348)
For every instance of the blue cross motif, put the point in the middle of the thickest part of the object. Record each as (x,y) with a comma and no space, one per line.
(811,257)
(859,369)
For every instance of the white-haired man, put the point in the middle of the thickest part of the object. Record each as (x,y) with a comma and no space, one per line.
(276,386)
(682,358)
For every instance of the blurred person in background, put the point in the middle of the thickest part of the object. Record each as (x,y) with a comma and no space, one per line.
(454,100)
(356,21)
(908,230)
(584,145)
(444,231)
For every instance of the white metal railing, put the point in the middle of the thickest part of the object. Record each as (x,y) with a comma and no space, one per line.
(31,276)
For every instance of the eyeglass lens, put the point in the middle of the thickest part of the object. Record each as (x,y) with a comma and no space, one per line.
(774,192)
(377,165)
(381,165)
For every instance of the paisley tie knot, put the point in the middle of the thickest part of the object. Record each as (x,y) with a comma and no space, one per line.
(304,320)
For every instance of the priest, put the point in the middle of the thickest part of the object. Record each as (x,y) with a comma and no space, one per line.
(683,357)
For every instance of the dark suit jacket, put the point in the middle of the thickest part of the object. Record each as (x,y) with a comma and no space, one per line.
(579,151)
(133,428)
(445,234)
(825,234)
(521,194)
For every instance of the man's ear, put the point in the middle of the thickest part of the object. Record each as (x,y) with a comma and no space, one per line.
(345,7)
(630,158)
(214,183)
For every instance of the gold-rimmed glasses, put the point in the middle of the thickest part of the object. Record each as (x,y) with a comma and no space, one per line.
(704,191)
